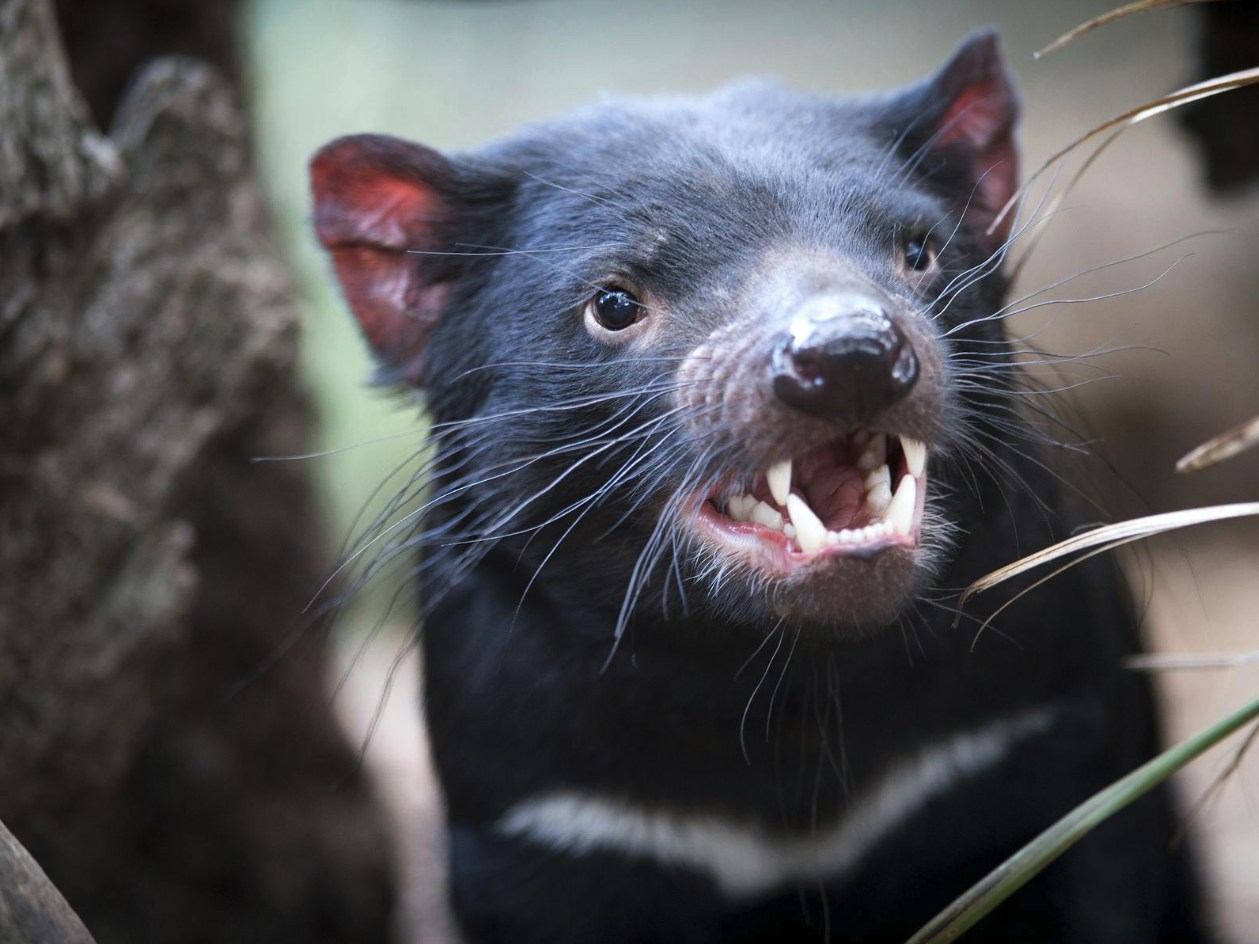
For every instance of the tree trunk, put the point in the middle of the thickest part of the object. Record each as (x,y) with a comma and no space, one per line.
(31,909)
(167,752)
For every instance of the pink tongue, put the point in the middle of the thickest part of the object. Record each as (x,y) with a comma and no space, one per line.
(835,493)
(831,485)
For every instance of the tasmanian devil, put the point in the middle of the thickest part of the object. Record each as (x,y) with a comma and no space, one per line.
(723,413)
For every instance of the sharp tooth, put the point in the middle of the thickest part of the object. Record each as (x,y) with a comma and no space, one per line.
(810,532)
(875,453)
(879,489)
(900,514)
(915,455)
(882,474)
(878,498)
(779,476)
(762,513)
(739,507)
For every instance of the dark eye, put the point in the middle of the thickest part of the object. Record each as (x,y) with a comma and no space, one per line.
(920,253)
(616,309)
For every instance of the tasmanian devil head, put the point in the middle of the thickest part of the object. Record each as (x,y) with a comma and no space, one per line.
(715,352)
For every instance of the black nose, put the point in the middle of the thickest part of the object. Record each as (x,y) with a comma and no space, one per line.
(844,360)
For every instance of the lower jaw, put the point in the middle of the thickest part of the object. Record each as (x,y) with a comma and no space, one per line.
(858,590)
(861,595)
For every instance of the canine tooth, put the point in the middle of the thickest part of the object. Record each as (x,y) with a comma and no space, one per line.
(879,499)
(763,514)
(739,507)
(810,532)
(900,514)
(879,489)
(915,455)
(874,454)
(779,476)
(881,474)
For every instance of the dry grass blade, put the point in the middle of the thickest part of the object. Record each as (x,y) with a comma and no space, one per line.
(1221,447)
(1117,14)
(1111,535)
(1118,123)
(1172,661)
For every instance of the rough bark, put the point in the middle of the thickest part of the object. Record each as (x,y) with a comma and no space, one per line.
(32,911)
(176,781)
(106,40)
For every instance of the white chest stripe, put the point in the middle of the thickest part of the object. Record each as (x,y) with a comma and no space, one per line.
(746,860)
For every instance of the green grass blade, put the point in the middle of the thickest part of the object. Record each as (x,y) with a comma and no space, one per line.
(1016,871)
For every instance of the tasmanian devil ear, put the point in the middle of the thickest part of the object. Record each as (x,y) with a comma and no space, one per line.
(381,204)
(964,117)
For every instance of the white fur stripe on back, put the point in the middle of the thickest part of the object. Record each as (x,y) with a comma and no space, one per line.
(747,860)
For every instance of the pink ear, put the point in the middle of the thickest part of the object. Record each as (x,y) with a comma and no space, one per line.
(380,203)
(977,110)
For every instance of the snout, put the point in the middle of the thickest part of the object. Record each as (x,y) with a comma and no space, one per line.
(820,403)
(843,359)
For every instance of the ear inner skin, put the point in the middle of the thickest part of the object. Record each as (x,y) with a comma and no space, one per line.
(965,116)
(380,203)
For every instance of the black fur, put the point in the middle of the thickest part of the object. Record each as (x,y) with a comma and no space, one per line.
(577,637)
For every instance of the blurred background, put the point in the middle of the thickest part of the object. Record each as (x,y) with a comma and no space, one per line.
(1183,361)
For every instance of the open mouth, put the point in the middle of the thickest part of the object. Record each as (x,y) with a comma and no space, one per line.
(853,497)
